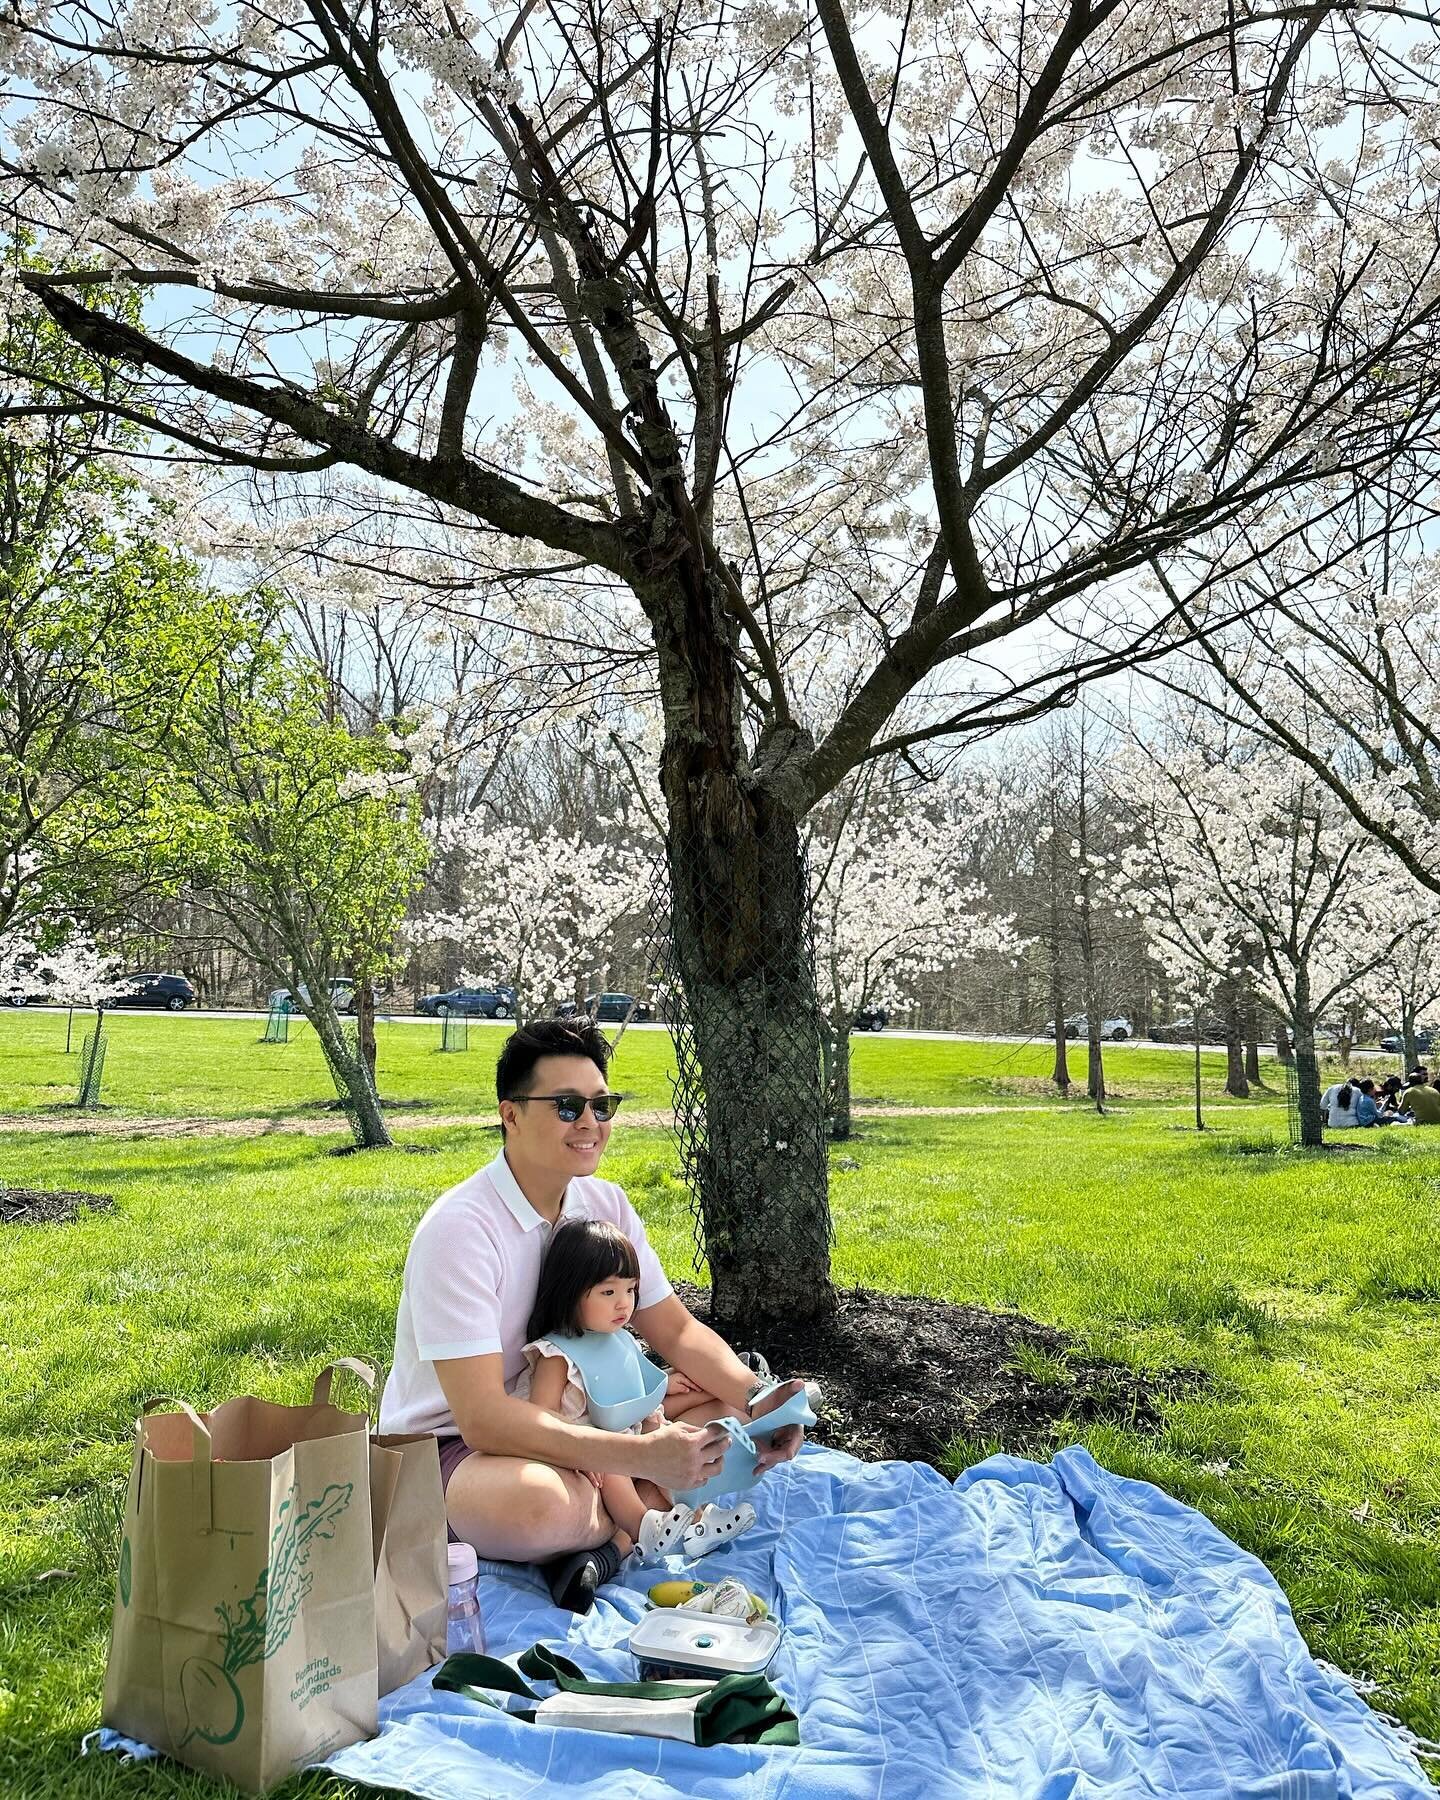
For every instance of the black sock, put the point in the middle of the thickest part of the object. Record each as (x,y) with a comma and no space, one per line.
(572,1579)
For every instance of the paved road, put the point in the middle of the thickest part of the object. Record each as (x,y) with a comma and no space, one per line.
(960,1037)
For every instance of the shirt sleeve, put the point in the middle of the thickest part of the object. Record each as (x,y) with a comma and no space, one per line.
(653,1283)
(453,1280)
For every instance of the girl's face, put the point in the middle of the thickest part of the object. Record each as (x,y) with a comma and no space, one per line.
(608,1305)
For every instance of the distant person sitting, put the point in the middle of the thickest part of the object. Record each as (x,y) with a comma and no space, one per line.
(1420,1099)
(1367,1108)
(1389,1096)
(1340,1106)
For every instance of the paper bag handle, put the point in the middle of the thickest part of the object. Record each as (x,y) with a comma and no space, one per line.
(361,1370)
(201,1502)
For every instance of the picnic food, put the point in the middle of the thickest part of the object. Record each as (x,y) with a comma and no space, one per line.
(688,1593)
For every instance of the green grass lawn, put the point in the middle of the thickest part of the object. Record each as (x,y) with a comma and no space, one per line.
(1305,1286)
(159,1064)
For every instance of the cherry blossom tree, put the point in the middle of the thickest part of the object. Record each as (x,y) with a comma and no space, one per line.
(1401,989)
(69,970)
(538,911)
(1242,858)
(888,903)
(744,342)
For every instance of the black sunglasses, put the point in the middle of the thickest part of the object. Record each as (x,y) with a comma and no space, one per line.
(569,1107)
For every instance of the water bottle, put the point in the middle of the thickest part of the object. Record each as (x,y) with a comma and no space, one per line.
(464,1629)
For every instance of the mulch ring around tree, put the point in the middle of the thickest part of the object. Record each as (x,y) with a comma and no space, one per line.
(48,1206)
(904,1375)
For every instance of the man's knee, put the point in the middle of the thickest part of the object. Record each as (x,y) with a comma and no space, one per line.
(564,1509)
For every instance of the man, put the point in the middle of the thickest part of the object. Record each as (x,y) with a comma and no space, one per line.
(518,1480)
(1420,1100)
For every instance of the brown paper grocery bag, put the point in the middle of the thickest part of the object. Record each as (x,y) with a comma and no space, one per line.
(412,1595)
(243,1633)
(408,1526)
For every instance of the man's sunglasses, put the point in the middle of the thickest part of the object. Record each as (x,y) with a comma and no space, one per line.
(569,1107)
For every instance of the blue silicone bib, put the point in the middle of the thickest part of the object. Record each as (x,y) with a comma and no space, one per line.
(737,1472)
(622,1385)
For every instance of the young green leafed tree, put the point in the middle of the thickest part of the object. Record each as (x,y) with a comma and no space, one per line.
(302,837)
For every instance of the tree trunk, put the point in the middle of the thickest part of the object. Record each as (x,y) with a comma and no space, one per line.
(739,921)
(836,1050)
(349,1072)
(365,1025)
(1307,1066)
(1236,1081)
(1283,1048)
(1061,1073)
(1095,1062)
(1407,1034)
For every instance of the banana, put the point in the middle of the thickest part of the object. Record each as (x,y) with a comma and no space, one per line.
(675,1593)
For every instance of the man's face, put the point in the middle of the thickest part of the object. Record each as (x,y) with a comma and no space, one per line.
(534,1129)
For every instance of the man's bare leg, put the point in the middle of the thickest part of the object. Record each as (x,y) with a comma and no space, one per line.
(518,1511)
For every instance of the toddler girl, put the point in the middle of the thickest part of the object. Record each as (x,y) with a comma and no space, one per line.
(582,1364)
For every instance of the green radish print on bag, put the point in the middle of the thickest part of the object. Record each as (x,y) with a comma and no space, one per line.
(260,1625)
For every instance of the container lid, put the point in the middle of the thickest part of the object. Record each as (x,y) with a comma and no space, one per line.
(464,1564)
(701,1641)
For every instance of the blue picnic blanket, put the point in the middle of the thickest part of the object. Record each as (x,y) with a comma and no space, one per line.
(1027,1633)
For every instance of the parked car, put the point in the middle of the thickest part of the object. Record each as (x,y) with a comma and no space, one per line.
(1395,1044)
(607,1009)
(475,1003)
(1182,1031)
(173,992)
(342,993)
(870,1018)
(1078,1026)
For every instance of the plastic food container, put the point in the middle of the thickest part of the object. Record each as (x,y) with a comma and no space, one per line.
(670,1643)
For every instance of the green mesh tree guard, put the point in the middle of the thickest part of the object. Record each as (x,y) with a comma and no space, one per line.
(455,1032)
(92,1067)
(277,1024)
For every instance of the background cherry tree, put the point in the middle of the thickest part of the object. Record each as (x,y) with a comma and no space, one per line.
(538,912)
(1243,860)
(889,903)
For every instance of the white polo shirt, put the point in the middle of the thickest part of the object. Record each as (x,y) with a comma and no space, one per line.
(470,1281)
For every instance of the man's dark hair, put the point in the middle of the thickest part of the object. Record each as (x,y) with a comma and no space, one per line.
(581,1255)
(514,1073)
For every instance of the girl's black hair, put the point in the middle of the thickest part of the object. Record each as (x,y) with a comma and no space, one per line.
(1343,1098)
(1367,1087)
(580,1257)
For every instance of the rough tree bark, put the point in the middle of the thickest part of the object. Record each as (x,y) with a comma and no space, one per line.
(739,901)
(1307,1064)
(1236,1081)
(835,1052)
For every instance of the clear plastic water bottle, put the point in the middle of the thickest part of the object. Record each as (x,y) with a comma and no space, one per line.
(465,1630)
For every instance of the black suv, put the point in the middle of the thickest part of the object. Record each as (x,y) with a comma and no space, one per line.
(608,1009)
(173,992)
(870,1018)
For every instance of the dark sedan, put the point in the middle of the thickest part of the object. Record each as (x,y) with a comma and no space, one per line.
(1182,1031)
(475,1003)
(870,1018)
(173,992)
(1395,1044)
(607,1009)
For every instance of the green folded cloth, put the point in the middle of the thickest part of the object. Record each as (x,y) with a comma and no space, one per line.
(736,1709)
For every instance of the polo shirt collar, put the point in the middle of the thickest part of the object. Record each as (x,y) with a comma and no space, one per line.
(524,1214)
